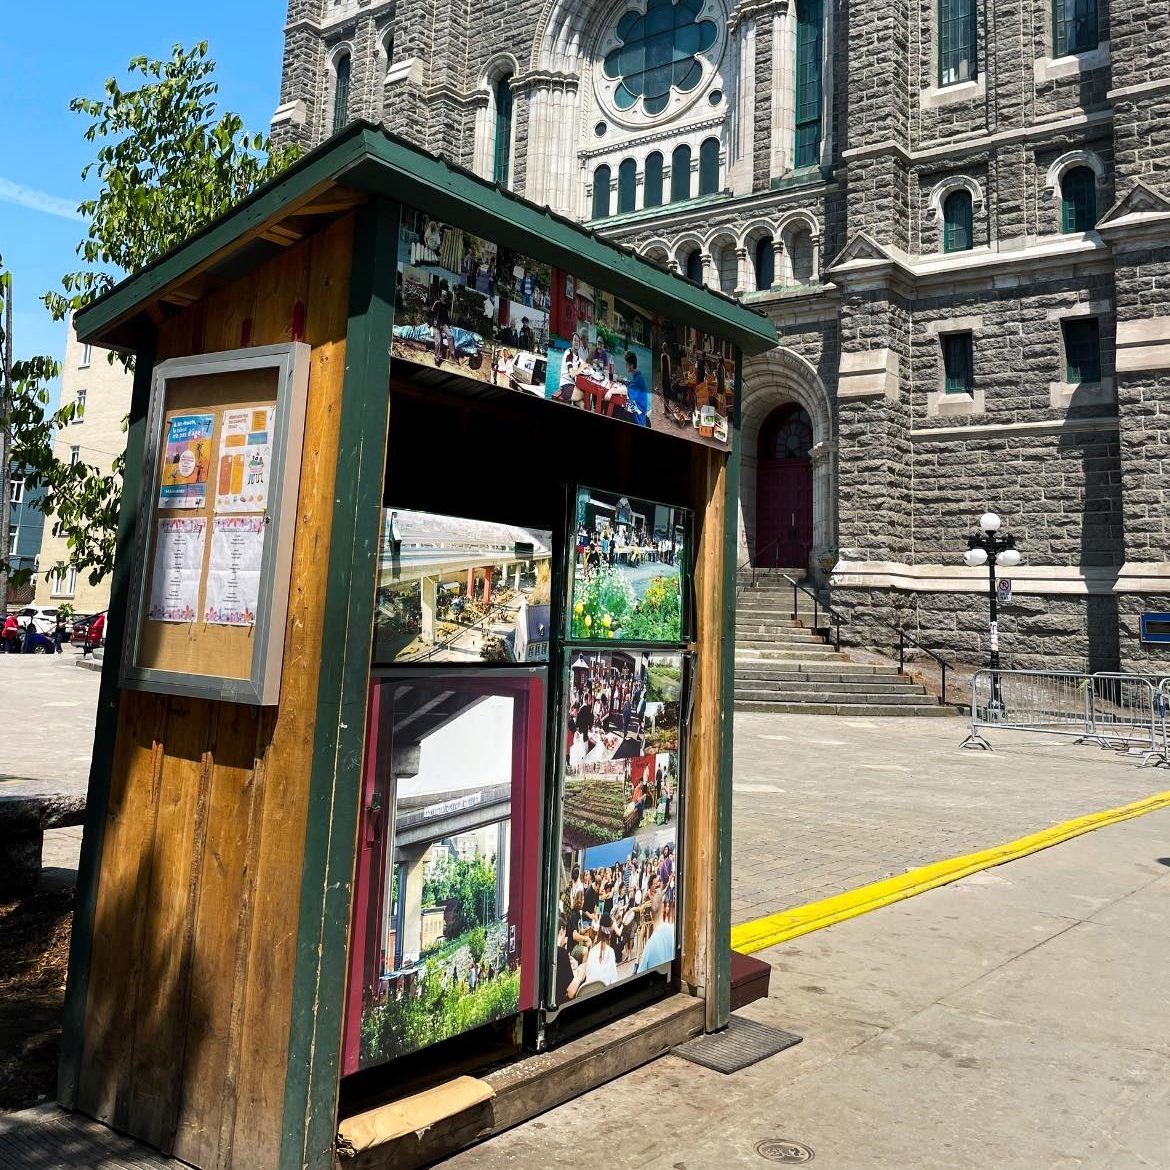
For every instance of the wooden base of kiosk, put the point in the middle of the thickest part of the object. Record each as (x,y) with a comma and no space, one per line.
(438,1122)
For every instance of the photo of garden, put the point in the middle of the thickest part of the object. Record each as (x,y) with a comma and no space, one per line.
(441,927)
(458,590)
(629,561)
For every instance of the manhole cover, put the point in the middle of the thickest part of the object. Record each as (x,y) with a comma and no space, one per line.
(785,1150)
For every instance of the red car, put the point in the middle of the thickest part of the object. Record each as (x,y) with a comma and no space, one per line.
(89,633)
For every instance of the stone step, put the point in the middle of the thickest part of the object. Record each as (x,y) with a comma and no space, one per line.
(780,633)
(859,709)
(872,686)
(845,671)
(835,695)
(817,648)
(792,658)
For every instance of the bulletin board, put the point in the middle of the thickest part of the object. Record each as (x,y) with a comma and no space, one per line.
(215,523)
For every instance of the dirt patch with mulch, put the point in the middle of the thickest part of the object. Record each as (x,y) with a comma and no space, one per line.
(34,956)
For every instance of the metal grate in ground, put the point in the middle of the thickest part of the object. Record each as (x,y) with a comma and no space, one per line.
(48,1138)
(740,1044)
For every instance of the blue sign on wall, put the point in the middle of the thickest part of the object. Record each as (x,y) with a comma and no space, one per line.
(1156,627)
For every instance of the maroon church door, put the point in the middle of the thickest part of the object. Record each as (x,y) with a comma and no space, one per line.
(784,506)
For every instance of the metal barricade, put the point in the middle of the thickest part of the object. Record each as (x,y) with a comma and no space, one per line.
(1124,711)
(1055,701)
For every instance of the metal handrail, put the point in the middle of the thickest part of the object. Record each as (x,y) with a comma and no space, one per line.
(818,605)
(751,563)
(903,638)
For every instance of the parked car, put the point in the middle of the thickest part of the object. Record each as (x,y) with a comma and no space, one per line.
(80,624)
(95,632)
(42,619)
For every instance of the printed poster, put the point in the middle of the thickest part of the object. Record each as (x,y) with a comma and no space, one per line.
(188,455)
(245,459)
(178,560)
(233,578)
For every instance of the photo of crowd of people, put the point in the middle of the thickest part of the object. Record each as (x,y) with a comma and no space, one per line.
(619,818)
(629,560)
(452,589)
(472,307)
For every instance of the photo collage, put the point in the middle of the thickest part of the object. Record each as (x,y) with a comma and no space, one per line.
(618,882)
(458,590)
(470,307)
(629,562)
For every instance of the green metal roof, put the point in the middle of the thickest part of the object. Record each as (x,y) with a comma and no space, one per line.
(367,159)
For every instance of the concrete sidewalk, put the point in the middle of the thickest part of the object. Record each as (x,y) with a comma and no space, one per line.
(1016,1020)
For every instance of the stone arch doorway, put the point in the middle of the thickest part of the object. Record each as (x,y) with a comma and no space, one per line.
(784,489)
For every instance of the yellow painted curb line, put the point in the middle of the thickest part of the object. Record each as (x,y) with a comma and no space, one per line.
(750,937)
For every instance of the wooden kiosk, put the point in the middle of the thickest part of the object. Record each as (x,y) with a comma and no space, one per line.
(410,808)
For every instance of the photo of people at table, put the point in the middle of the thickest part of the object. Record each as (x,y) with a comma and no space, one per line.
(629,558)
(616,915)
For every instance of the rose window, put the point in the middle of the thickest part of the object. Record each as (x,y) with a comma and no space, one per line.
(658,51)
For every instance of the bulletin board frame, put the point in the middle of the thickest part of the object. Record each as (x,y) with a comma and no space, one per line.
(156,657)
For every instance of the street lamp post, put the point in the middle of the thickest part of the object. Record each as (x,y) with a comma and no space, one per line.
(988,547)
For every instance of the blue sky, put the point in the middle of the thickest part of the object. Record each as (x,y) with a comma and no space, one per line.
(42,144)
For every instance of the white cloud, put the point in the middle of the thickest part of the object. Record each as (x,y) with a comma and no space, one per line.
(11,192)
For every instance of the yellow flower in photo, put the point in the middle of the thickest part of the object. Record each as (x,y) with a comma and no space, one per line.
(579,608)
(588,620)
(607,621)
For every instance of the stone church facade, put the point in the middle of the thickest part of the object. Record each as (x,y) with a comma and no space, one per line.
(956,213)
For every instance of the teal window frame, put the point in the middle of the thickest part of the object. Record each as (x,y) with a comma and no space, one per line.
(765,263)
(680,174)
(709,166)
(502,159)
(652,180)
(627,185)
(1076,27)
(1078,200)
(958,35)
(958,351)
(958,221)
(1082,350)
(810,26)
(342,70)
(602,177)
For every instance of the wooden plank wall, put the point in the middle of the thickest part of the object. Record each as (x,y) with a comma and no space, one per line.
(700,948)
(191,975)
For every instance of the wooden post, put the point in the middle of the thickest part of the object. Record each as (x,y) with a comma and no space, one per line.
(310,1101)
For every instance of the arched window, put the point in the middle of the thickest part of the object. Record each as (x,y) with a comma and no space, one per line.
(341,71)
(800,254)
(709,166)
(601,192)
(786,434)
(388,48)
(680,174)
(652,184)
(809,66)
(627,183)
(957,224)
(956,42)
(765,263)
(1075,27)
(694,269)
(503,155)
(1078,200)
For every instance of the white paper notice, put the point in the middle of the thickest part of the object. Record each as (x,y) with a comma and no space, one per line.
(233,579)
(178,559)
(245,459)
